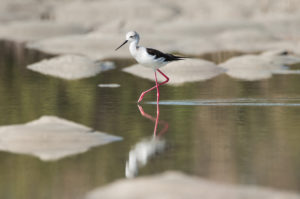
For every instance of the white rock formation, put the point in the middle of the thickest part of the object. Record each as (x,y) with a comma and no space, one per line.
(37,30)
(257,67)
(179,72)
(189,27)
(70,67)
(51,138)
(95,13)
(97,45)
(21,10)
(174,185)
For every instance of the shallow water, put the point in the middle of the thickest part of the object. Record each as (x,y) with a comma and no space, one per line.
(222,129)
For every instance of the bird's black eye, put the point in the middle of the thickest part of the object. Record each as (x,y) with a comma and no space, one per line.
(131,37)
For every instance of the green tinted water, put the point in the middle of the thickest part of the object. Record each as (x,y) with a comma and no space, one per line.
(228,143)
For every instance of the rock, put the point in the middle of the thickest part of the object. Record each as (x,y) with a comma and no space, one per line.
(96,45)
(37,30)
(51,138)
(70,67)
(174,185)
(179,72)
(94,13)
(238,35)
(186,37)
(263,66)
(91,45)
(17,10)
(174,25)
(215,10)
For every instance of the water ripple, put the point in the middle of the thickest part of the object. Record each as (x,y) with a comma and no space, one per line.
(233,102)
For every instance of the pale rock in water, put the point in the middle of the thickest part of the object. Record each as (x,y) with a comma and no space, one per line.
(70,67)
(95,45)
(37,30)
(175,185)
(95,13)
(179,72)
(51,138)
(248,27)
(263,66)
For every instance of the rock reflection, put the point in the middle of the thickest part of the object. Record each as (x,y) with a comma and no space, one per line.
(147,148)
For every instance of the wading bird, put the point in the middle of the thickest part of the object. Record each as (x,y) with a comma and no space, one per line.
(148,57)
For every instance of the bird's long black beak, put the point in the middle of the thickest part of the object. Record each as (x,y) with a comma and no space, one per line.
(122,44)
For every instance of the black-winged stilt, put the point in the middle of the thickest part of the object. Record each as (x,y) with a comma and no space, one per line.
(148,57)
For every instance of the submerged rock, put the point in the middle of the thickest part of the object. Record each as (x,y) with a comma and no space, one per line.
(70,67)
(174,185)
(51,138)
(263,66)
(179,72)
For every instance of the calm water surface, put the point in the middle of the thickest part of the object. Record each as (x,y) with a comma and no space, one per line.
(231,143)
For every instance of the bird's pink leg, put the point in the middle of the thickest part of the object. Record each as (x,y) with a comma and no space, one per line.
(157,89)
(143,93)
(167,78)
(157,104)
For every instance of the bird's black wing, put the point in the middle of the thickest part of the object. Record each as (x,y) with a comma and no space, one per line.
(157,54)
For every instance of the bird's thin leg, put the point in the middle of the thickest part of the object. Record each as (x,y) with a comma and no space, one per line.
(157,105)
(143,93)
(167,78)
(157,91)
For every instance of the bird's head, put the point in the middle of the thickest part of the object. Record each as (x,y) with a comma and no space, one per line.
(130,36)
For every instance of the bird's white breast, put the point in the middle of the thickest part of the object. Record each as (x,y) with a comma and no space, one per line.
(145,59)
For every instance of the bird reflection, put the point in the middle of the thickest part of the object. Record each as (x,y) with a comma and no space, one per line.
(148,147)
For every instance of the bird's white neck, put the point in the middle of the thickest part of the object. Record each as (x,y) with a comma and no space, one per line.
(133,46)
